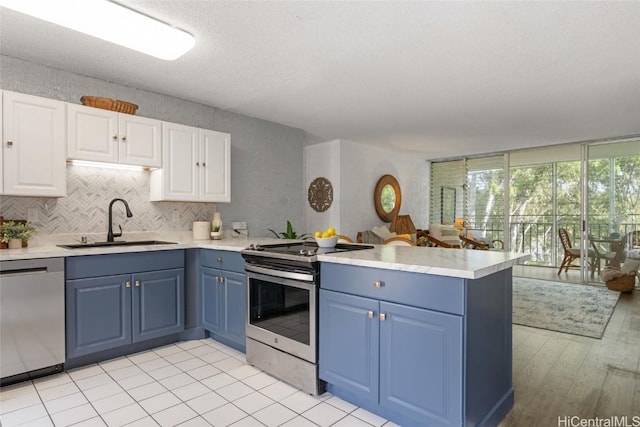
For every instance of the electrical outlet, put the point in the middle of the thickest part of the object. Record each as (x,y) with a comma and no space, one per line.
(175,215)
(239,225)
(32,215)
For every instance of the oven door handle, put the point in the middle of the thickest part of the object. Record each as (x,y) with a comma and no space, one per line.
(279,273)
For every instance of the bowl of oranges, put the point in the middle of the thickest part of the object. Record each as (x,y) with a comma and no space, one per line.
(327,238)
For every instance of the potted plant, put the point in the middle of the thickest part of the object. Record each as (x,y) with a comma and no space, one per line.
(289,234)
(14,233)
(216,233)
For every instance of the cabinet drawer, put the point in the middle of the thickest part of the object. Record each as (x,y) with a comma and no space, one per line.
(78,267)
(420,290)
(224,260)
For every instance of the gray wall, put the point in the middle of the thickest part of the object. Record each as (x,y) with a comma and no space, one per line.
(266,159)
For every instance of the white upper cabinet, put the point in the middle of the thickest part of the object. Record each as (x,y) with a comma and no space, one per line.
(195,165)
(106,136)
(215,173)
(33,146)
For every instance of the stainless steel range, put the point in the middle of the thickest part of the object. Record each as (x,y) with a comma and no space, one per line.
(282,312)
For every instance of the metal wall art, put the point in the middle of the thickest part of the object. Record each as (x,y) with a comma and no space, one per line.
(320,194)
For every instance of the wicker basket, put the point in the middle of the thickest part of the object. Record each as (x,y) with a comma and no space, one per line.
(625,283)
(109,104)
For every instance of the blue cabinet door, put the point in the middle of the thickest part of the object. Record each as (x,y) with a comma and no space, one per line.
(420,364)
(98,314)
(211,301)
(224,305)
(158,303)
(349,338)
(235,307)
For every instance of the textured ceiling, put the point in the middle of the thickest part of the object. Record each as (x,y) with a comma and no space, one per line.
(440,79)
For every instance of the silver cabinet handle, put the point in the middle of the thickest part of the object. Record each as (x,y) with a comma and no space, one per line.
(124,138)
(204,164)
(219,259)
(9,143)
(137,283)
(115,137)
(383,317)
(378,284)
(370,314)
(127,284)
(198,164)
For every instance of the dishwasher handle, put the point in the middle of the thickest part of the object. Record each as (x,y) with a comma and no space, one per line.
(31,266)
(9,273)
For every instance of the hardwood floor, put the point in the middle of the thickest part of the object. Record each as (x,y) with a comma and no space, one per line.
(561,375)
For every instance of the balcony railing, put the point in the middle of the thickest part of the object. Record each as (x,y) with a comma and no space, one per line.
(537,235)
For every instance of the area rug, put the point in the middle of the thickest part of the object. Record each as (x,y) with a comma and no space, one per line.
(564,307)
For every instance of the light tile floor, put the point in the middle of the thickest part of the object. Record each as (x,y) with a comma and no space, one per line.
(190,383)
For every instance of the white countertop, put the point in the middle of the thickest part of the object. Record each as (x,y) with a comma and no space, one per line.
(464,263)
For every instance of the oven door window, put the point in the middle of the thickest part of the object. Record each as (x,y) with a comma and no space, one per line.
(281,309)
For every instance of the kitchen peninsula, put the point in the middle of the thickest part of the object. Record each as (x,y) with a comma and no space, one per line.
(421,336)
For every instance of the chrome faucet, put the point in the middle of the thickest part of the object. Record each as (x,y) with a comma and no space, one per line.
(110,233)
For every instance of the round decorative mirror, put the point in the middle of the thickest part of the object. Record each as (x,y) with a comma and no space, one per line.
(387,198)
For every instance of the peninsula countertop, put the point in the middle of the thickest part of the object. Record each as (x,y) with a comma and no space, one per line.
(463,263)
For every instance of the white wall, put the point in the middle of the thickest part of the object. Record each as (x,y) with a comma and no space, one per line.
(354,169)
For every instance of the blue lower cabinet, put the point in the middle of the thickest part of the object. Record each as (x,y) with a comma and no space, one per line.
(98,314)
(235,298)
(349,342)
(420,364)
(211,300)
(400,361)
(224,305)
(158,303)
(107,312)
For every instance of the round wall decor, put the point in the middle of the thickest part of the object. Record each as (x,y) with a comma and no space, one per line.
(320,194)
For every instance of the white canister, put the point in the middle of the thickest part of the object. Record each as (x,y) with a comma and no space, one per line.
(201,230)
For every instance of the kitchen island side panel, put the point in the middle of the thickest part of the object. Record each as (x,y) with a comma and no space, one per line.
(489,351)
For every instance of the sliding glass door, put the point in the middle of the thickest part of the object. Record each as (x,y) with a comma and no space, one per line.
(525,198)
(612,202)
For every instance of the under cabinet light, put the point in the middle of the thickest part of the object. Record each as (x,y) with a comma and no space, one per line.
(111,22)
(100,165)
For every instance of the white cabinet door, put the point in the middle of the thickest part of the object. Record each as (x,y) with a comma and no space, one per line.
(106,136)
(93,134)
(33,146)
(195,166)
(215,174)
(139,141)
(179,175)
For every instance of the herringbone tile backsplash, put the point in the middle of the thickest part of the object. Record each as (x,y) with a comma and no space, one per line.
(85,209)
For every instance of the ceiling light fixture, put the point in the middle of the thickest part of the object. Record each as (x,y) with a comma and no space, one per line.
(111,22)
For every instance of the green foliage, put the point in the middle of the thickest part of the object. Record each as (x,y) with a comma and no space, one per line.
(15,230)
(289,233)
(541,195)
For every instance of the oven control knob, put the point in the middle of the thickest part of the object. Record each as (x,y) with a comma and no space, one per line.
(303,252)
(252,247)
(311,252)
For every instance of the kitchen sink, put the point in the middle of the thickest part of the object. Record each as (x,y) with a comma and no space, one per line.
(116,243)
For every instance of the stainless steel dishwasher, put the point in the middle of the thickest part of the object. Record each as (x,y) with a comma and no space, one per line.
(32,341)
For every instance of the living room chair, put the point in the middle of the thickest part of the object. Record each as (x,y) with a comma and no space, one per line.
(570,253)
(600,255)
(471,243)
(344,239)
(434,241)
(399,241)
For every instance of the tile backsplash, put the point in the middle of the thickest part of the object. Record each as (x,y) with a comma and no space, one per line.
(85,208)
